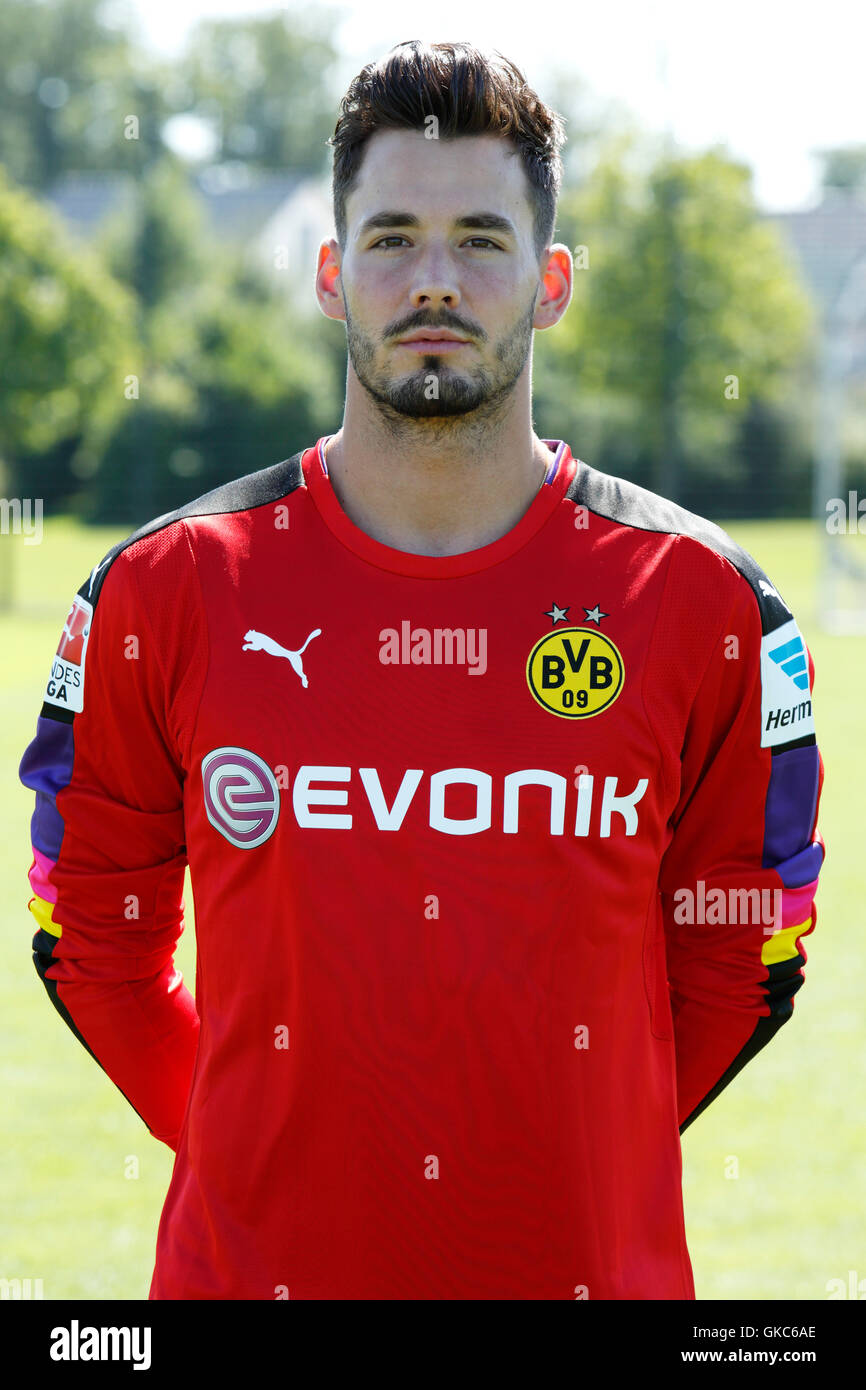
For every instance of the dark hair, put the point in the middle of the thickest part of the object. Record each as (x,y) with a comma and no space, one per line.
(470,93)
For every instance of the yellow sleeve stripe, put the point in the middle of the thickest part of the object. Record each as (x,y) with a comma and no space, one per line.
(782,945)
(44,914)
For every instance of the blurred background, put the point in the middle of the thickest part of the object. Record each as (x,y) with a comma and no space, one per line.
(164,188)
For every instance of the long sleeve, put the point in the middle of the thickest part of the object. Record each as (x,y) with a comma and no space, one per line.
(740,873)
(108,837)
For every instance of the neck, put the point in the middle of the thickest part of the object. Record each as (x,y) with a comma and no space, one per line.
(435,487)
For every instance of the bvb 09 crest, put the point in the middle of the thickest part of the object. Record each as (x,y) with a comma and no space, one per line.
(575,672)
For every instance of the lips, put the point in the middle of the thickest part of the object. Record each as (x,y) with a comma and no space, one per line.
(439,343)
(432,335)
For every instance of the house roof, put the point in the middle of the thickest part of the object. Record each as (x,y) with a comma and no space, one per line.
(237,203)
(828,241)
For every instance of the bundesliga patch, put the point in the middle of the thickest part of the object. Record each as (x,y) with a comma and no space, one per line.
(65,686)
(786,701)
(575,672)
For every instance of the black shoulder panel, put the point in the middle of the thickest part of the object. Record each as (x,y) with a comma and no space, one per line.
(239,495)
(617,499)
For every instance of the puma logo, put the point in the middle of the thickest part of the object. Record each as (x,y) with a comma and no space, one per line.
(771,593)
(93,573)
(260,642)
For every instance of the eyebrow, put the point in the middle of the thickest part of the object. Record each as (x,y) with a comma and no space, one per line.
(476,221)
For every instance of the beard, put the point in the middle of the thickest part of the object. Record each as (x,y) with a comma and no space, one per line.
(435,390)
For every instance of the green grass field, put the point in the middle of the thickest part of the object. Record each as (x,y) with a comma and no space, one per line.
(792,1125)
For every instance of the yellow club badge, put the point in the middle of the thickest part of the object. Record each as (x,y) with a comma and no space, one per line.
(575,672)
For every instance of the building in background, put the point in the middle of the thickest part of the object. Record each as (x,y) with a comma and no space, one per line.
(275,221)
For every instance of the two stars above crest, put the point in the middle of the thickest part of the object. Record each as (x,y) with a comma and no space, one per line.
(558,615)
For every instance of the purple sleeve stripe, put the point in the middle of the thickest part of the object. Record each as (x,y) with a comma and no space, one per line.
(803,868)
(46,768)
(789,812)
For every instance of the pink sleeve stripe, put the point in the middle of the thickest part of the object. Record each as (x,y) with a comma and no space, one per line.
(797,904)
(38,875)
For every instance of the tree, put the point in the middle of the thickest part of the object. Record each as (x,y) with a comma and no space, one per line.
(64,339)
(73,79)
(159,249)
(845,168)
(234,387)
(261,84)
(227,382)
(159,245)
(686,308)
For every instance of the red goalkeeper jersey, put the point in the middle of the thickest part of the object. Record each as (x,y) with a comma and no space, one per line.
(501,864)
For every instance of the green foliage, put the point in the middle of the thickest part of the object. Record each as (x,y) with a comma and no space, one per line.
(225,385)
(845,167)
(64,334)
(261,82)
(685,306)
(71,76)
(158,245)
(231,386)
(686,288)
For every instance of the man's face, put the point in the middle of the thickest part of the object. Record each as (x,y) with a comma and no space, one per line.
(399,275)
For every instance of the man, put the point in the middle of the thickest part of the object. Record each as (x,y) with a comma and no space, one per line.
(496,777)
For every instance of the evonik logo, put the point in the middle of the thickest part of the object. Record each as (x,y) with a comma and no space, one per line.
(242,799)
